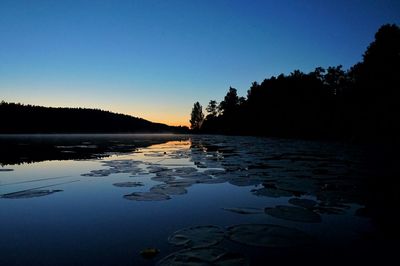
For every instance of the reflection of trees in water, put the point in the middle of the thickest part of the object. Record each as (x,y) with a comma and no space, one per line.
(30,148)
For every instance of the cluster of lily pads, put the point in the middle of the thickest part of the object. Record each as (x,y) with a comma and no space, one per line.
(272,168)
(315,180)
(117,166)
(203,245)
(173,180)
(301,210)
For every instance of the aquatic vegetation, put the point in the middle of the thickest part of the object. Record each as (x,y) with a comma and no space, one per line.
(203,256)
(156,168)
(305,203)
(30,193)
(244,181)
(214,172)
(328,210)
(147,196)
(117,166)
(183,171)
(299,185)
(268,235)
(283,172)
(197,236)
(254,172)
(163,178)
(247,210)
(296,214)
(183,182)
(271,192)
(169,189)
(128,184)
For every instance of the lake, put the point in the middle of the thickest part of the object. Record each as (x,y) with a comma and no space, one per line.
(188,200)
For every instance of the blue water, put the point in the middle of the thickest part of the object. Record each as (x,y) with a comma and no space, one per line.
(90,222)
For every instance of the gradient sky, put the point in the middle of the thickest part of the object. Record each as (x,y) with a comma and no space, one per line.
(154,59)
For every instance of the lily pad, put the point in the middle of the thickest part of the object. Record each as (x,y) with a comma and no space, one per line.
(244,181)
(245,210)
(203,256)
(156,168)
(296,185)
(271,192)
(31,193)
(305,203)
(147,196)
(328,210)
(183,182)
(166,172)
(162,178)
(117,166)
(214,172)
(294,214)
(98,173)
(183,171)
(197,236)
(128,184)
(168,189)
(268,235)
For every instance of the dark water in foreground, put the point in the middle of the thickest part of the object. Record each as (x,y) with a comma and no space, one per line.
(200,200)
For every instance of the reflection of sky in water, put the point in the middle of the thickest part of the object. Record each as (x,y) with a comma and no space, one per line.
(90,222)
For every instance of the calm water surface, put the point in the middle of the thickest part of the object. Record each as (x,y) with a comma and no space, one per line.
(102,199)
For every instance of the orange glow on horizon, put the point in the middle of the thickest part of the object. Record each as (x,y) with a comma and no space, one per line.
(172,121)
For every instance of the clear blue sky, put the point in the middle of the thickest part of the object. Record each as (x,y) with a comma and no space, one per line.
(154,59)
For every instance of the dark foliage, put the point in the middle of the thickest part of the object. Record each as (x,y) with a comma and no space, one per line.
(196,117)
(212,108)
(19,118)
(360,103)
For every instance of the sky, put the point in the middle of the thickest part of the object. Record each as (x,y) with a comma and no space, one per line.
(154,59)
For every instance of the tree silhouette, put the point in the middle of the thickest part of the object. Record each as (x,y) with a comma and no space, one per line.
(212,108)
(377,83)
(359,104)
(230,102)
(197,116)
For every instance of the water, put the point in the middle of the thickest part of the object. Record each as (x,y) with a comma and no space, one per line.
(65,199)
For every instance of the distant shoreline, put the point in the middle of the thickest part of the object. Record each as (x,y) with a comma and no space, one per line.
(88,134)
(29,119)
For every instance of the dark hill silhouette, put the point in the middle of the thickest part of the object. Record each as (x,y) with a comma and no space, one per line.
(19,118)
(361,103)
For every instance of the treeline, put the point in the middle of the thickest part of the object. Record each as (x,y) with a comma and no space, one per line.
(20,118)
(360,103)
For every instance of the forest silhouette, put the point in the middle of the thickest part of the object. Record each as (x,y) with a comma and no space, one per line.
(357,104)
(20,118)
